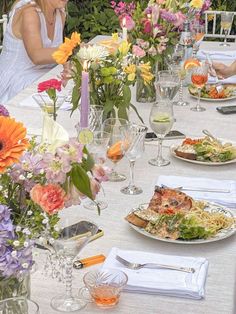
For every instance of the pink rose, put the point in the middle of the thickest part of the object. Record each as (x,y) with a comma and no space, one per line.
(95,187)
(127,21)
(49,197)
(100,173)
(138,52)
(180,18)
(147,26)
(49,84)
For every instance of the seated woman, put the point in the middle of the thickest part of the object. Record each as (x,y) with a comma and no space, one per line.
(223,70)
(34,31)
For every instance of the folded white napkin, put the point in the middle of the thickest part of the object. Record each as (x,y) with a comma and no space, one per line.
(227,199)
(31,103)
(217,55)
(229,80)
(161,281)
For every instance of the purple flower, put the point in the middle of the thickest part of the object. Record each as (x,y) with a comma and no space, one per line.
(56,168)
(168,16)
(3,111)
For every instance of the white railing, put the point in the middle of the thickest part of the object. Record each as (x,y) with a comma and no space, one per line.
(3,21)
(214,18)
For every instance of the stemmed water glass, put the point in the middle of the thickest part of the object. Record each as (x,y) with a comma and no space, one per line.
(167,84)
(181,72)
(114,151)
(199,78)
(68,248)
(226,22)
(133,147)
(161,120)
(98,149)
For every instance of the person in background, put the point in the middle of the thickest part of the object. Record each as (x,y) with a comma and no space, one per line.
(223,71)
(34,32)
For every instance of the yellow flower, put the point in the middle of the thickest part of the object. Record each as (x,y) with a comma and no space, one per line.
(197,4)
(145,72)
(115,36)
(131,71)
(65,50)
(124,48)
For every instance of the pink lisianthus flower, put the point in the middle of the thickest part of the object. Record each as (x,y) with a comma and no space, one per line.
(180,18)
(51,197)
(138,52)
(142,43)
(152,51)
(129,22)
(100,173)
(147,26)
(95,187)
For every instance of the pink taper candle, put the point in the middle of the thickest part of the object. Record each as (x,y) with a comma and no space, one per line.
(84,106)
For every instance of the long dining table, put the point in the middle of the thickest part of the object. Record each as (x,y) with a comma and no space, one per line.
(221,279)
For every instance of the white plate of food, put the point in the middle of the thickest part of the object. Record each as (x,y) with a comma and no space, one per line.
(172,216)
(205,151)
(209,92)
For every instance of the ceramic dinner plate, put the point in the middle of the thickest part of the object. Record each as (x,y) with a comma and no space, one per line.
(212,207)
(204,163)
(213,99)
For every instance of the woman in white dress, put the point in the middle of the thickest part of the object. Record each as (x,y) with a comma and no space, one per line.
(34,31)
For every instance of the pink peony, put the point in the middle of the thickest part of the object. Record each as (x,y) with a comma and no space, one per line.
(126,21)
(180,18)
(49,197)
(138,52)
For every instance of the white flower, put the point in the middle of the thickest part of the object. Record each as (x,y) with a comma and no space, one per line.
(21,177)
(14,254)
(45,221)
(41,171)
(29,212)
(29,175)
(1,188)
(51,240)
(26,244)
(25,265)
(18,228)
(92,53)
(56,228)
(26,231)
(42,240)
(16,243)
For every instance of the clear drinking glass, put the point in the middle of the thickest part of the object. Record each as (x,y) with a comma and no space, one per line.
(181,72)
(114,151)
(199,78)
(161,120)
(68,248)
(18,305)
(226,22)
(98,149)
(133,147)
(167,84)
(94,120)
(198,33)
(46,103)
(103,287)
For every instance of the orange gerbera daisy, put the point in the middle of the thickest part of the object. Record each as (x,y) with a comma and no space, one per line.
(12,142)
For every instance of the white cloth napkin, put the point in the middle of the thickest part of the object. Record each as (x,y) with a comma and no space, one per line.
(220,56)
(227,199)
(161,281)
(31,103)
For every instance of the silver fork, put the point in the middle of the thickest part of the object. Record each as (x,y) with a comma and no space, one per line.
(219,86)
(136,266)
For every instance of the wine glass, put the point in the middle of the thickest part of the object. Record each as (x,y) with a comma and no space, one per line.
(198,35)
(68,247)
(47,104)
(114,151)
(177,55)
(167,84)
(161,120)
(18,305)
(98,149)
(199,78)
(181,72)
(133,147)
(226,22)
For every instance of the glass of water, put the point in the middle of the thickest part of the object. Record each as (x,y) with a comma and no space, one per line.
(161,120)
(167,84)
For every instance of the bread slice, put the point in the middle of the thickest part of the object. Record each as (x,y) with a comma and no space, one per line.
(185,155)
(137,221)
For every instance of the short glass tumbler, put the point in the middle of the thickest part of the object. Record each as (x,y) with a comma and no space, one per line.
(18,305)
(103,287)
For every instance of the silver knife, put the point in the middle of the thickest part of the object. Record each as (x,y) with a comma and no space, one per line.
(202,189)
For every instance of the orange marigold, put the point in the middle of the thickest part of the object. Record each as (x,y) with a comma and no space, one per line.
(12,142)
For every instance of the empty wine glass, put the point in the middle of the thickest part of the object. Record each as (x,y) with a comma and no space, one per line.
(181,72)
(167,84)
(68,248)
(114,151)
(226,22)
(199,78)
(133,147)
(161,120)
(98,149)
(47,104)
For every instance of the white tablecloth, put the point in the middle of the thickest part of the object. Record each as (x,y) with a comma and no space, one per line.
(220,285)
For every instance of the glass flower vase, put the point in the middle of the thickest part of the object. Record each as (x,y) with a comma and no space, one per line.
(15,286)
(145,93)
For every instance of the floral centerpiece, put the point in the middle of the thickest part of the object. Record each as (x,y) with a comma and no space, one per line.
(111,70)
(36,182)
